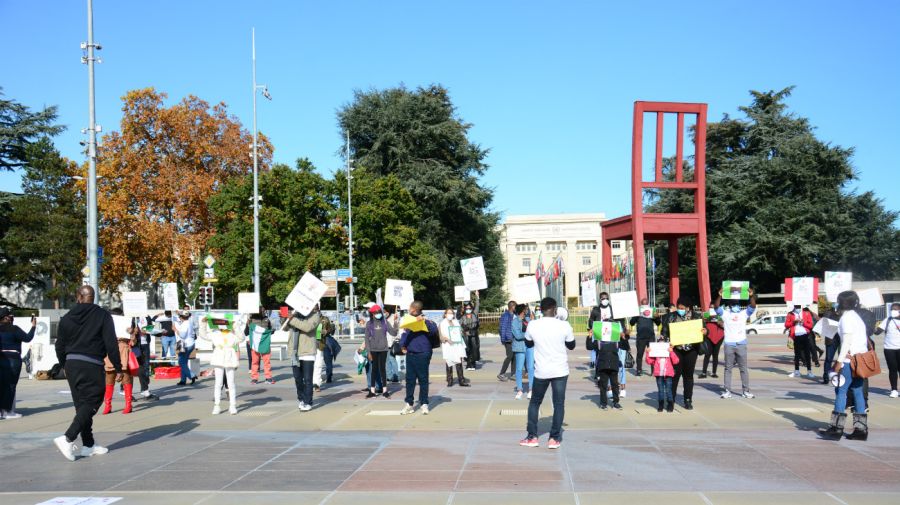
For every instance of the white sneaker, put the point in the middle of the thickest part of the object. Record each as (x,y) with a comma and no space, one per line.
(232,410)
(895,394)
(216,410)
(305,407)
(408,409)
(145,394)
(68,449)
(622,393)
(529,395)
(726,395)
(748,395)
(795,373)
(425,409)
(811,375)
(12,415)
(300,405)
(87,452)
(518,395)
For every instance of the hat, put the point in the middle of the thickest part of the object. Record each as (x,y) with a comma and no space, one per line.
(4,312)
(375,308)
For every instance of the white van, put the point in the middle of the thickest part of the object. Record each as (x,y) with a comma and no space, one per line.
(767,324)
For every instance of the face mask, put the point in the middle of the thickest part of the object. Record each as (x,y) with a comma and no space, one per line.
(735,309)
(378,316)
(604,302)
(796,311)
(681,312)
(468,311)
(448,316)
(895,314)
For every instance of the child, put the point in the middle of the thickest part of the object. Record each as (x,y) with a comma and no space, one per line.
(664,370)
(226,342)
(607,366)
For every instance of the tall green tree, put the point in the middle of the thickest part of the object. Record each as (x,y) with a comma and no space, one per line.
(417,136)
(19,128)
(45,241)
(780,203)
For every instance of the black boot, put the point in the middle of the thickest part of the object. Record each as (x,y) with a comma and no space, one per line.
(670,406)
(860,427)
(688,404)
(660,407)
(449,376)
(462,378)
(835,430)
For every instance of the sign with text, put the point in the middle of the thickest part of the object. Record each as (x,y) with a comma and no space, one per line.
(659,349)
(134,303)
(624,305)
(170,296)
(306,294)
(835,282)
(588,293)
(398,292)
(474,276)
(801,290)
(686,332)
(461,293)
(525,290)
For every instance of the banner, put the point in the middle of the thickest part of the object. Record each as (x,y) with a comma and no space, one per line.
(399,293)
(588,293)
(686,332)
(461,293)
(659,349)
(835,282)
(607,331)
(248,303)
(474,276)
(306,294)
(801,291)
(525,290)
(624,305)
(134,303)
(735,290)
(170,296)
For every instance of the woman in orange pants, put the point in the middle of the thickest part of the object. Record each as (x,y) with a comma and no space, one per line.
(125,342)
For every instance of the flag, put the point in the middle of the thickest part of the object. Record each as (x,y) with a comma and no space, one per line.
(539,271)
(736,290)
(607,331)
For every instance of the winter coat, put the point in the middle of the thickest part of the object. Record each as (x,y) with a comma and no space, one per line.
(302,341)
(225,346)
(663,367)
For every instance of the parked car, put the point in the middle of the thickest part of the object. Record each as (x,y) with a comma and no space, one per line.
(768,324)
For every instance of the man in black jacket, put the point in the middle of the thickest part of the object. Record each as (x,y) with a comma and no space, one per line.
(646,332)
(86,335)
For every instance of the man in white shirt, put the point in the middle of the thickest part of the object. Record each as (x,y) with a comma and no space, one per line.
(734,322)
(550,337)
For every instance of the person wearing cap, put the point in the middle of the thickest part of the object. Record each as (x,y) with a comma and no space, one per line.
(220,331)
(376,347)
(11,338)
(186,341)
(85,336)
(302,346)
(259,335)
(468,319)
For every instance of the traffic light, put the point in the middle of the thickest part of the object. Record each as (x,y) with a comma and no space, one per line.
(205,296)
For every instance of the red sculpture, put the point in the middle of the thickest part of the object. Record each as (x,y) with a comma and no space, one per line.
(640,226)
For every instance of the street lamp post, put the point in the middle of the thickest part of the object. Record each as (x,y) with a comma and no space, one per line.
(265,93)
(350,239)
(92,242)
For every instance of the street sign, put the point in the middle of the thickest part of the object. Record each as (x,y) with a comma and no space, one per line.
(209,275)
(100,254)
(343,273)
(209,261)
(329,275)
(331,292)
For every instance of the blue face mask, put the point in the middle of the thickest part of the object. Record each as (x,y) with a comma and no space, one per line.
(735,308)
(378,316)
(681,312)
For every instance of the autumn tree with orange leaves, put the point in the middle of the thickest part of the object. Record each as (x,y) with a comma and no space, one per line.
(157,174)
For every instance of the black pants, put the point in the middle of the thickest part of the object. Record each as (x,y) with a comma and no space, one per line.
(509,360)
(473,350)
(642,343)
(303,381)
(249,353)
(87,383)
(10,369)
(684,370)
(606,378)
(144,369)
(329,363)
(801,352)
(379,372)
(892,357)
(713,355)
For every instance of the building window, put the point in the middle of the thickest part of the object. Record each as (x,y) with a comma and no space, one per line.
(616,244)
(526,263)
(586,246)
(526,247)
(556,246)
(585,261)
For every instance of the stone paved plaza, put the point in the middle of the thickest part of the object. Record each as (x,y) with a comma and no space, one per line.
(352,450)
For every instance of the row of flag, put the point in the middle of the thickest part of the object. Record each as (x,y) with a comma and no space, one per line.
(556,270)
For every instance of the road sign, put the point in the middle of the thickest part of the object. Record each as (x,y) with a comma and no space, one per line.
(209,261)
(331,292)
(343,273)
(100,254)
(329,275)
(209,275)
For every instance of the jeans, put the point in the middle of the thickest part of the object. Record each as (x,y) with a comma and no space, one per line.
(737,355)
(10,369)
(417,370)
(664,390)
(168,347)
(508,361)
(829,357)
(87,384)
(622,354)
(558,385)
(393,371)
(525,359)
(329,363)
(712,355)
(303,381)
(855,385)
(249,353)
(183,359)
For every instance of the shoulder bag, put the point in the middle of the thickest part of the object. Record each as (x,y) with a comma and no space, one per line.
(865,364)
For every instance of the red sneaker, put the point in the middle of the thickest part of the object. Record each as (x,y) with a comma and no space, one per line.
(553,444)
(529,442)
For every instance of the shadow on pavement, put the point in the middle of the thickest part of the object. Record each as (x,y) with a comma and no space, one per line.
(150,434)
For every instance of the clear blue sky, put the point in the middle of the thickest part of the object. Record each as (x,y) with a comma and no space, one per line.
(549,86)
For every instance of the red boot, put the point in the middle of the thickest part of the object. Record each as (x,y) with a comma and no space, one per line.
(107,399)
(128,391)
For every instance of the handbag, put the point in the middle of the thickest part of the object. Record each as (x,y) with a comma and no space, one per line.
(133,365)
(865,364)
(396,350)
(704,348)
(629,360)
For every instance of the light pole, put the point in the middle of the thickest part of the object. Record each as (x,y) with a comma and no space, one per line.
(265,93)
(93,128)
(350,239)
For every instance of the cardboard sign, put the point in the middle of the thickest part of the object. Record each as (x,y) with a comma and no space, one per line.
(835,282)
(412,323)
(248,303)
(686,332)
(870,298)
(399,293)
(461,293)
(659,349)
(170,296)
(801,290)
(624,305)
(455,334)
(525,290)
(607,331)
(826,327)
(134,303)
(123,326)
(588,293)
(474,276)
(306,294)
(735,290)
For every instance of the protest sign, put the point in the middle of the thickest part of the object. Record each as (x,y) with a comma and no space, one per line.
(607,331)
(456,334)
(474,276)
(686,332)
(588,293)
(870,298)
(801,290)
(826,327)
(412,323)
(525,290)
(306,294)
(461,293)
(735,290)
(248,303)
(624,305)
(835,282)
(123,326)
(134,303)
(399,293)
(170,296)
(659,349)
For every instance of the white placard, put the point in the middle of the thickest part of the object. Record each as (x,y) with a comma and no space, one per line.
(398,292)
(134,303)
(123,325)
(826,327)
(474,276)
(525,290)
(624,305)
(588,293)
(802,291)
(461,293)
(835,282)
(378,300)
(248,303)
(306,294)
(170,296)
(43,355)
(659,349)
(870,298)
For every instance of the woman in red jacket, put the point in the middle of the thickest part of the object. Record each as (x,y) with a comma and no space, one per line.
(799,323)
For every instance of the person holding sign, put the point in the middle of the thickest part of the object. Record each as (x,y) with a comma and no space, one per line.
(646,325)
(418,345)
(453,349)
(605,342)
(734,325)
(468,319)
(376,345)
(259,336)
(303,346)
(687,354)
(603,312)
(799,322)
(220,331)
(662,363)
(891,329)
(11,339)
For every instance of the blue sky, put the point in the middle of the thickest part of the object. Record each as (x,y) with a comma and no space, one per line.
(548,86)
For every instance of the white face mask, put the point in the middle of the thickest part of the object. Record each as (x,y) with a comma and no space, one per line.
(895,314)
(448,316)
(604,302)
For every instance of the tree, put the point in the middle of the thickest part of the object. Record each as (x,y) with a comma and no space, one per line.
(19,127)
(45,241)
(779,204)
(158,174)
(418,137)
